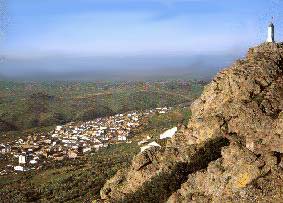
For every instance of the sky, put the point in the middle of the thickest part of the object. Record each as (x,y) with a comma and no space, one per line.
(40,31)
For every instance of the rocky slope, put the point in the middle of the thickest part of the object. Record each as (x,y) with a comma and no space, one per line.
(232,148)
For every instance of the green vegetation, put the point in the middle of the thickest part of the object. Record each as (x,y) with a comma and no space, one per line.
(25,105)
(158,123)
(81,180)
(68,181)
(34,107)
(178,116)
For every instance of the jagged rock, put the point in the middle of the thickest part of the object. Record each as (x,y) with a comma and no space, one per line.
(144,166)
(243,100)
(233,178)
(162,172)
(232,148)
(145,158)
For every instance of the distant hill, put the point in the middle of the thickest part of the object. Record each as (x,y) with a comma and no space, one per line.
(27,105)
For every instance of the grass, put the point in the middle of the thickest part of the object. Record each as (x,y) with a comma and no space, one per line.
(34,107)
(25,105)
(81,180)
(72,182)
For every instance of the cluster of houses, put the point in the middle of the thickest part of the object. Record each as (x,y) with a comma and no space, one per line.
(72,140)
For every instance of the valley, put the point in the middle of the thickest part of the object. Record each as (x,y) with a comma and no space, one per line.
(109,124)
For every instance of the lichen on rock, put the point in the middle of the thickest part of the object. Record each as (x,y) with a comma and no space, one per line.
(230,151)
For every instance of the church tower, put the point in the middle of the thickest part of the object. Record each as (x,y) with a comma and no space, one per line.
(270,36)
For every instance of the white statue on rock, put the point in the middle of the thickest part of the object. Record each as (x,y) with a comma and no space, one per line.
(270,36)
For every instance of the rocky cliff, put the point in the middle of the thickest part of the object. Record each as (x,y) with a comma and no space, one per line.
(232,148)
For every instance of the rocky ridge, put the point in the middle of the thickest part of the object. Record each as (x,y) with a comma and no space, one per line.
(232,148)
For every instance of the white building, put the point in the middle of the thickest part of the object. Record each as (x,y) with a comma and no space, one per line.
(98,146)
(270,35)
(85,150)
(33,161)
(19,168)
(168,133)
(122,138)
(154,144)
(150,145)
(22,159)
(54,135)
(5,148)
(58,128)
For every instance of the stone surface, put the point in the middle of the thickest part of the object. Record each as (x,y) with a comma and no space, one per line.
(230,151)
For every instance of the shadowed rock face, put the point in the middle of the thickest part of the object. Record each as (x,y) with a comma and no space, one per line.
(231,150)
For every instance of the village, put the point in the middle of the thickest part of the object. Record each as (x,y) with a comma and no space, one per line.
(75,140)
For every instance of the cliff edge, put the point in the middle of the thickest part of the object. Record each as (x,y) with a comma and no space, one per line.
(232,148)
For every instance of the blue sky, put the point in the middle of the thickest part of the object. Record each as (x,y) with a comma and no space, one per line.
(135,27)
(47,38)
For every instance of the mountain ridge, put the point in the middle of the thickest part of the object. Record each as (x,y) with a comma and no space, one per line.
(230,151)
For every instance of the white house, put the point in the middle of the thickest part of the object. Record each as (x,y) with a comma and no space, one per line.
(58,128)
(122,138)
(168,133)
(54,135)
(152,144)
(135,118)
(33,161)
(97,146)
(22,159)
(5,148)
(87,149)
(18,168)
(2,149)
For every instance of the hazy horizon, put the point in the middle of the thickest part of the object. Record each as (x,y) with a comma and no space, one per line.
(201,67)
(121,39)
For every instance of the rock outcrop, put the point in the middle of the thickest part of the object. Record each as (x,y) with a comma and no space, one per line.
(232,148)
